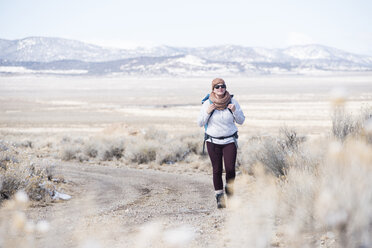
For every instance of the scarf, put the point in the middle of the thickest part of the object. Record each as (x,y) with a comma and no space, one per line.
(221,103)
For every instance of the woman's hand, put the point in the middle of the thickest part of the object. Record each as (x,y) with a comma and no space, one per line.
(211,108)
(231,107)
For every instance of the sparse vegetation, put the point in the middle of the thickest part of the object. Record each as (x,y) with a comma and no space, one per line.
(147,146)
(18,173)
(277,154)
(142,152)
(345,124)
(305,207)
(298,189)
(69,153)
(306,194)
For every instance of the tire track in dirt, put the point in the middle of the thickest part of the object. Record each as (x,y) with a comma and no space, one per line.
(112,203)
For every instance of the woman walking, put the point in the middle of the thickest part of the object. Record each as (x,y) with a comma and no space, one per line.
(218,115)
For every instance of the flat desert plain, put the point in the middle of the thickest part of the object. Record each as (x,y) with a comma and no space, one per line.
(71,104)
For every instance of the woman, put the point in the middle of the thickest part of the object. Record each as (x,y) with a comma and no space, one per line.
(219,114)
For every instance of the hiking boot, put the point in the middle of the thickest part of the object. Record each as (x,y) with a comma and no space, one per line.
(220,200)
(229,189)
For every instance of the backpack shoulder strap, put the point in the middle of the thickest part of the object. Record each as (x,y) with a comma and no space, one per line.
(210,101)
(205,98)
(229,103)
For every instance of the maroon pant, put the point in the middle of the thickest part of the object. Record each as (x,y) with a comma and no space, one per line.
(216,152)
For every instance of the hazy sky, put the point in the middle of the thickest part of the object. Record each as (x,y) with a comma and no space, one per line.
(267,23)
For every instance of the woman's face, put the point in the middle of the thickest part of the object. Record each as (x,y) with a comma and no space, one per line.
(219,89)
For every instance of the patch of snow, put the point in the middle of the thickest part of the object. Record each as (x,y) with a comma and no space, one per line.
(63,71)
(61,196)
(20,69)
(191,60)
(25,43)
(14,69)
(308,52)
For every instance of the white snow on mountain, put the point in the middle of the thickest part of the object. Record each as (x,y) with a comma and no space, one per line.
(23,70)
(42,49)
(309,52)
(63,56)
(190,60)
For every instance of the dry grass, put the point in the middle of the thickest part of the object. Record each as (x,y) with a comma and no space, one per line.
(277,154)
(18,172)
(301,208)
(328,204)
(16,229)
(345,124)
(142,147)
(314,193)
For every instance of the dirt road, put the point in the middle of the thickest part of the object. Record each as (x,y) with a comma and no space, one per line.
(122,207)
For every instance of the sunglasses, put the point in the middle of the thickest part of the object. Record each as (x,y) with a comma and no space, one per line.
(220,86)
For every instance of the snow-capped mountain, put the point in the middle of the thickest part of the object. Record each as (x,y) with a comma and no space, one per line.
(62,56)
(41,49)
(46,49)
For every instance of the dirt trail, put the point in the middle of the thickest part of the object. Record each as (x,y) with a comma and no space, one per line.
(110,205)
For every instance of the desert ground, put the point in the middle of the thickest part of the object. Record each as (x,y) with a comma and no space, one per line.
(51,104)
(119,203)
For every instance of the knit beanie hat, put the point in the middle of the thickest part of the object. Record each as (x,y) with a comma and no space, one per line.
(217,81)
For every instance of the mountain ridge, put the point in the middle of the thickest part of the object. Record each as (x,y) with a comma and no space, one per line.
(40,54)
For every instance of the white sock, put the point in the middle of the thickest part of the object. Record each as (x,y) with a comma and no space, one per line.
(218,191)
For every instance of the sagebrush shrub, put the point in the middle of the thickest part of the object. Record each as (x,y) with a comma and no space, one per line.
(91,150)
(277,154)
(21,174)
(194,142)
(11,181)
(174,152)
(69,153)
(141,152)
(345,124)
